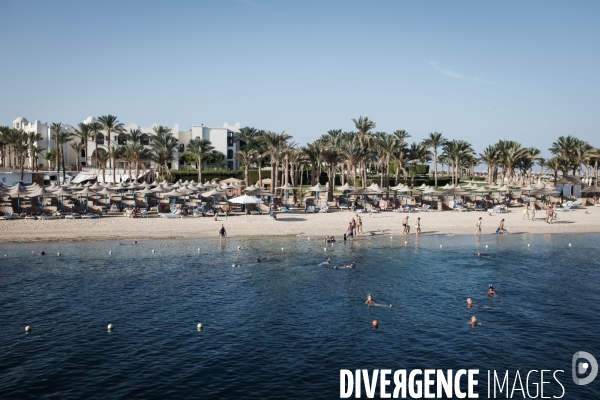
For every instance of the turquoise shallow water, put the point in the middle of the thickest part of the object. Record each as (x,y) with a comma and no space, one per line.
(285,327)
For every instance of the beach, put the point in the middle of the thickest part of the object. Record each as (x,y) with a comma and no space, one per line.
(318,225)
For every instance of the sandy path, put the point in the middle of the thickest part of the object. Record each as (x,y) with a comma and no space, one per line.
(315,225)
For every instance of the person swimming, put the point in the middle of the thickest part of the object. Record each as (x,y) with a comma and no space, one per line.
(346,266)
(134,241)
(42,253)
(370,300)
(491,291)
(474,321)
(258,260)
(478,254)
(326,262)
(236,264)
(375,324)
(469,303)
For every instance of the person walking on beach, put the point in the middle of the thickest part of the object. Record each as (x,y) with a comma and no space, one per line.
(405,225)
(549,214)
(226,210)
(222,232)
(418,226)
(526,212)
(358,224)
(532,211)
(478,225)
(501,227)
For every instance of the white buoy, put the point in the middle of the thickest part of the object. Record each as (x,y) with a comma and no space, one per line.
(441,246)
(486,246)
(282,249)
(153,251)
(199,327)
(31,251)
(198,249)
(58,254)
(110,252)
(528,245)
(391,238)
(27,329)
(5,255)
(110,327)
(324,249)
(405,242)
(239,247)
(569,244)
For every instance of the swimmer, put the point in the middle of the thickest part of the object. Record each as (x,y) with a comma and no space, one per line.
(491,291)
(326,240)
(258,260)
(469,303)
(478,254)
(326,262)
(370,300)
(474,321)
(375,324)
(134,241)
(347,266)
(42,253)
(236,265)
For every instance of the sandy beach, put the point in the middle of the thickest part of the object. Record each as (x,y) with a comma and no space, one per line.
(117,227)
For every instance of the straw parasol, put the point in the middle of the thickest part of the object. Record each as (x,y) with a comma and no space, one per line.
(87,193)
(41,192)
(145,191)
(18,190)
(287,187)
(62,191)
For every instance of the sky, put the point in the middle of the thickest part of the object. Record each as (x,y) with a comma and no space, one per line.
(479,71)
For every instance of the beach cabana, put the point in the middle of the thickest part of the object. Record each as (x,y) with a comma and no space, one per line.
(287,187)
(18,191)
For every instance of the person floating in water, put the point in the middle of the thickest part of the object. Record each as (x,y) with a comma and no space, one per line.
(222,232)
(134,241)
(474,322)
(258,260)
(479,254)
(328,262)
(42,253)
(236,264)
(375,324)
(491,291)
(469,303)
(370,300)
(351,265)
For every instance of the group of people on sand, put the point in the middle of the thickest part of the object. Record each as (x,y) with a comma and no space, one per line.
(499,230)
(354,227)
(406,226)
(474,322)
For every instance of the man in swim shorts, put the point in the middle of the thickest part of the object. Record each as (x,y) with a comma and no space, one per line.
(405,225)
(478,225)
(222,232)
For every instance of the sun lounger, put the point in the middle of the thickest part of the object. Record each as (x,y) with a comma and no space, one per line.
(499,209)
(174,214)
(324,209)
(8,215)
(311,209)
(343,206)
(73,216)
(563,208)
(90,216)
(286,210)
(459,207)
(143,213)
(425,207)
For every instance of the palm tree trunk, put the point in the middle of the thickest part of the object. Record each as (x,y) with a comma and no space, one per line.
(435,167)
(286,170)
(96,153)
(62,159)
(259,174)
(246,174)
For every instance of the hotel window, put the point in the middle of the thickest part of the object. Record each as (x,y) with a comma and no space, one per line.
(181,148)
(100,139)
(145,140)
(122,139)
(230,154)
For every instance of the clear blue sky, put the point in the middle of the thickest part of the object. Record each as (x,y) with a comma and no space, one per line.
(480,71)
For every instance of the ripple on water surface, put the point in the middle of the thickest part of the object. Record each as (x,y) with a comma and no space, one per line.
(286,326)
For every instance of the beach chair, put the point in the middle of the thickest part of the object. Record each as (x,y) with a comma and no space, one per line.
(499,209)
(311,209)
(144,214)
(324,209)
(175,214)
(253,209)
(424,207)
(7,215)
(286,210)
(563,208)
(459,207)
(73,216)
(343,206)
(90,216)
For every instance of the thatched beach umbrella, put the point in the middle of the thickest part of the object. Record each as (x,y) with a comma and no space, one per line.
(18,190)
(146,191)
(42,192)
(87,193)
(62,192)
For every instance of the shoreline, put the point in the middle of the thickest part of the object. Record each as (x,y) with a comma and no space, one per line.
(316,226)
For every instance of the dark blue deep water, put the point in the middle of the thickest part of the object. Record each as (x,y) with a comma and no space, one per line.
(285,327)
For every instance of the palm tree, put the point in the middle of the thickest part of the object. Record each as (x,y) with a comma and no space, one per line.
(417,152)
(556,163)
(164,144)
(246,158)
(32,139)
(57,127)
(490,157)
(95,129)
(201,149)
(249,136)
(364,127)
(387,145)
(435,140)
(331,157)
(21,147)
(457,150)
(83,132)
(77,146)
(274,144)
(114,153)
(110,124)
(4,132)
(101,159)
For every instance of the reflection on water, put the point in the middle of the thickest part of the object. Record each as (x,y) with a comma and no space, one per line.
(286,326)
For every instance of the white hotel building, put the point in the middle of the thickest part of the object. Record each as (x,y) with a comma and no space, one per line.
(222,139)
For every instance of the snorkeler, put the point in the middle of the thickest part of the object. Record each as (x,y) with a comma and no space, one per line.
(491,291)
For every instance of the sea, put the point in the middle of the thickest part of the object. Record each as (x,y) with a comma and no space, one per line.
(284,327)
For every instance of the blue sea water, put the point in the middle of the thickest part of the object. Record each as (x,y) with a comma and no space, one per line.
(285,327)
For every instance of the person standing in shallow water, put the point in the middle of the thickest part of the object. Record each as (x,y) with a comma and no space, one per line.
(478,225)
(222,232)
